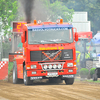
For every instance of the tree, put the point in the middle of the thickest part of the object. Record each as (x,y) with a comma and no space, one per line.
(57,9)
(6,47)
(49,10)
(8,11)
(90,6)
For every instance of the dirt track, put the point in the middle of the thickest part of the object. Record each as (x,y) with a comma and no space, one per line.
(47,91)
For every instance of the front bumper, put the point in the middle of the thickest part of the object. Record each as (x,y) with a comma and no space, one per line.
(60,76)
(54,73)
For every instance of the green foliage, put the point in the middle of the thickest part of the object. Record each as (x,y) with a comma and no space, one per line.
(10,71)
(10,66)
(84,72)
(6,47)
(8,11)
(77,74)
(98,81)
(92,71)
(90,6)
(57,10)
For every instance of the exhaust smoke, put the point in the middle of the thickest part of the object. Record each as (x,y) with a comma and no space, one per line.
(28,6)
(30,10)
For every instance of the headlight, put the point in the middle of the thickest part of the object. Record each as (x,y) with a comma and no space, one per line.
(54,66)
(50,66)
(59,66)
(69,64)
(33,66)
(45,66)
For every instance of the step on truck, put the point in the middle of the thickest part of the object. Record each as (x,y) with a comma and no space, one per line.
(48,52)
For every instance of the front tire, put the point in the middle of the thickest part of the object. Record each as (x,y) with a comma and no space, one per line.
(15,79)
(27,80)
(69,81)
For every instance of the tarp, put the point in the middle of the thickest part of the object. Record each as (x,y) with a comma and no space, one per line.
(20,45)
(98,55)
(96,43)
(96,39)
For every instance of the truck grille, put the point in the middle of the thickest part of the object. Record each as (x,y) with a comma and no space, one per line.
(48,55)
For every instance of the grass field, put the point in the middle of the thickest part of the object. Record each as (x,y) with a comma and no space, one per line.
(88,80)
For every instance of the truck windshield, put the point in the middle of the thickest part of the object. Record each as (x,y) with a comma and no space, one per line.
(50,36)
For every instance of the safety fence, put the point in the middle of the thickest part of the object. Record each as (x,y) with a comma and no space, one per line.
(3,70)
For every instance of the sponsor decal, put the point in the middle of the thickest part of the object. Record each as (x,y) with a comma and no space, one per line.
(50,48)
(50,28)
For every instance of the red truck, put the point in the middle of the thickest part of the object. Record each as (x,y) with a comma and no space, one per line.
(48,52)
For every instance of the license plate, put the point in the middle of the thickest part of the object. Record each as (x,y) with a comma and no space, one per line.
(35,78)
(68,76)
(52,74)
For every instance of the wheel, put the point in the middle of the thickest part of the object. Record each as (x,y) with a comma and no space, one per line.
(27,80)
(69,81)
(95,77)
(15,79)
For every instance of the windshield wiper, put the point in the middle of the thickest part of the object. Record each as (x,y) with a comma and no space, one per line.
(56,40)
(52,41)
(63,40)
(49,41)
(36,42)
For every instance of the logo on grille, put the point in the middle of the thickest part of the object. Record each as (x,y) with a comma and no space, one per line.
(51,56)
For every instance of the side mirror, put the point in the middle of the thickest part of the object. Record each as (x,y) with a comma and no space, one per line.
(76,36)
(22,38)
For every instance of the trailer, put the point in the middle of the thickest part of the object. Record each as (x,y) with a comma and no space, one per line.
(83,50)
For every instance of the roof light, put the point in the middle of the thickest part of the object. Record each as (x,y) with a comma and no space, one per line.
(35,22)
(50,66)
(61,21)
(39,21)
